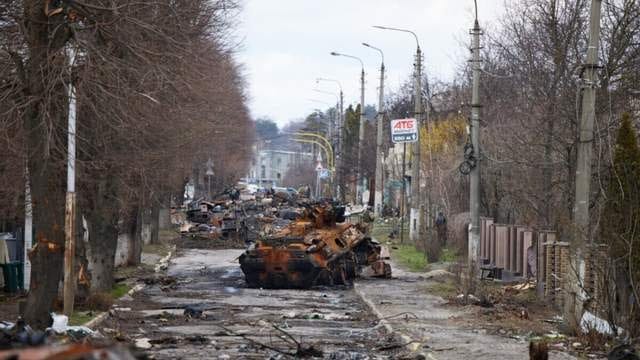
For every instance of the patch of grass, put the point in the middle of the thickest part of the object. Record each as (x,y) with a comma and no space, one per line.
(101,301)
(161,249)
(409,257)
(132,271)
(446,289)
(81,317)
(381,231)
(119,290)
(166,235)
(448,255)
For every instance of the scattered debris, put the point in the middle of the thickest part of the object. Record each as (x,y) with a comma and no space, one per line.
(82,351)
(169,340)
(20,334)
(538,350)
(61,327)
(623,352)
(197,339)
(143,343)
(522,287)
(470,299)
(592,322)
(192,312)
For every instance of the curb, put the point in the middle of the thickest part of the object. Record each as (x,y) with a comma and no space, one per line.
(410,345)
(162,265)
(381,320)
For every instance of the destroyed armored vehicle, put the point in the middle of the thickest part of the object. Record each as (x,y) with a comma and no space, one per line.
(319,248)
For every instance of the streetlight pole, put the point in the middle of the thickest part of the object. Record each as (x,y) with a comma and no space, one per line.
(361,132)
(334,119)
(415,213)
(333,134)
(379,186)
(338,144)
(474,180)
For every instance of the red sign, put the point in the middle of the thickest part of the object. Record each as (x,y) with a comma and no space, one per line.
(403,124)
(404,130)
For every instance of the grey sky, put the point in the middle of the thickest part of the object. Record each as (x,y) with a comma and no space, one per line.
(286,46)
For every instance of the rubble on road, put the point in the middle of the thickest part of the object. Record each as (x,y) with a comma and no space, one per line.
(19,334)
(71,351)
(319,248)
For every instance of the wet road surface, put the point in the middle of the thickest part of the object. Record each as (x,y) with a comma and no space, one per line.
(240,323)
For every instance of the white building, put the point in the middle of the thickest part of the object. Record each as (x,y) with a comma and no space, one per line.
(271,166)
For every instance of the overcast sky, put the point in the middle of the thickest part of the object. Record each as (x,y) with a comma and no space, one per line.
(286,46)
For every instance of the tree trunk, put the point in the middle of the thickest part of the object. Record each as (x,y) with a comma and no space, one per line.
(547,172)
(135,234)
(103,235)
(44,121)
(82,260)
(155,221)
(47,255)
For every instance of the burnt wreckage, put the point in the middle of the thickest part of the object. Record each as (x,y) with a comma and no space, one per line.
(319,248)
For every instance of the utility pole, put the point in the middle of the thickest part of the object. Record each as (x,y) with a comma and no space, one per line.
(70,204)
(334,133)
(360,141)
(403,198)
(574,294)
(474,180)
(415,214)
(338,141)
(339,147)
(361,133)
(379,185)
(28,230)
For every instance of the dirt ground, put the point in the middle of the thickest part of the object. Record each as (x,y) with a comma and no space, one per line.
(9,306)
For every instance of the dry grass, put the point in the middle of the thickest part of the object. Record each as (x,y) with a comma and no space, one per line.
(99,301)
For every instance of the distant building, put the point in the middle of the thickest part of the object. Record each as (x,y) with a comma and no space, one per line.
(271,166)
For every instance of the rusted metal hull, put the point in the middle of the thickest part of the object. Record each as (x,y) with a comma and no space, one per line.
(282,268)
(312,251)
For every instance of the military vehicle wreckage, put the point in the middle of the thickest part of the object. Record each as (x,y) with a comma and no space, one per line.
(319,248)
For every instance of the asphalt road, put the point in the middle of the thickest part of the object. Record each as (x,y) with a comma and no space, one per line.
(242,323)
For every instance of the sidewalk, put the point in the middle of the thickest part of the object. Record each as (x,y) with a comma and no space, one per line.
(433,328)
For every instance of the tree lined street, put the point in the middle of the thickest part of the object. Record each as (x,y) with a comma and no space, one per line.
(235,179)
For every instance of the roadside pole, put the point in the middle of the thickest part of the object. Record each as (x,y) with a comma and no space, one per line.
(474,180)
(415,213)
(359,185)
(70,203)
(340,146)
(379,159)
(403,198)
(404,131)
(377,202)
(574,294)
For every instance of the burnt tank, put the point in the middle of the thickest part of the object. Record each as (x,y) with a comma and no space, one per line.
(319,248)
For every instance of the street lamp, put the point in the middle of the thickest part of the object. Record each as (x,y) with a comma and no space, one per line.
(415,215)
(334,120)
(338,140)
(379,186)
(361,132)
